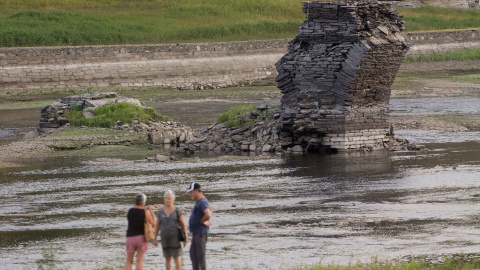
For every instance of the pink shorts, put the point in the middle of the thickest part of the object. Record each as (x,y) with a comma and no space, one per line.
(137,243)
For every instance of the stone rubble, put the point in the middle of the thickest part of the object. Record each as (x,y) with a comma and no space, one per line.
(157,133)
(335,80)
(336,76)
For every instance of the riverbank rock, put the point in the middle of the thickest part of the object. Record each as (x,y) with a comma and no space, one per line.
(265,136)
(156,133)
(335,81)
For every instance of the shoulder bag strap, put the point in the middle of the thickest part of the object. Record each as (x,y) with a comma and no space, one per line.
(178,217)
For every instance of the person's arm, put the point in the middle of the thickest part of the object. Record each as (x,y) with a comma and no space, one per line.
(206,217)
(157,229)
(184,226)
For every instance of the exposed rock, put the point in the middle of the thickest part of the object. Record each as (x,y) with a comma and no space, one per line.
(261,226)
(267,148)
(161,158)
(297,148)
(157,133)
(227,248)
(88,114)
(336,76)
(335,80)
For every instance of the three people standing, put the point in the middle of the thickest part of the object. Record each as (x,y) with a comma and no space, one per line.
(169,219)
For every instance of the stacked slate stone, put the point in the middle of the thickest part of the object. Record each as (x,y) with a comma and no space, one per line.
(157,133)
(336,76)
(52,115)
(264,136)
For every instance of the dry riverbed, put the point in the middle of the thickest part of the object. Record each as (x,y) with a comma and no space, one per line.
(201,107)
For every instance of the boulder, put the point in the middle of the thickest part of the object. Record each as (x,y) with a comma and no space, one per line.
(161,158)
(156,137)
(297,149)
(267,148)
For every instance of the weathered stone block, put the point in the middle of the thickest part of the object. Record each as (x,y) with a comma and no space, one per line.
(337,73)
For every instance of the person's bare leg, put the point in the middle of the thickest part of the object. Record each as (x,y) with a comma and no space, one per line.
(178,263)
(168,263)
(129,262)
(139,264)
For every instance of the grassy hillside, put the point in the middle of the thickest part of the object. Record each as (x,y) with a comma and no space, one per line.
(79,22)
(86,22)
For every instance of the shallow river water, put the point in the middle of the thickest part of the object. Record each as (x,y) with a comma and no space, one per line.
(268,214)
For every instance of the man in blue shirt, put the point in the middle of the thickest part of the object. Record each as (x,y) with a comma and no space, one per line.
(199,226)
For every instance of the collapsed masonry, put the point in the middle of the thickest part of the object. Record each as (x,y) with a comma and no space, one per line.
(337,73)
(157,133)
(335,80)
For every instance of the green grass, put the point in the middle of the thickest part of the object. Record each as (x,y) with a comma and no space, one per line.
(25,105)
(467,78)
(449,263)
(108,115)
(462,55)
(429,18)
(239,116)
(472,122)
(103,22)
(86,22)
(80,132)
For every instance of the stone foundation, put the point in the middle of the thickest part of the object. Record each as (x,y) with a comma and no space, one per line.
(337,73)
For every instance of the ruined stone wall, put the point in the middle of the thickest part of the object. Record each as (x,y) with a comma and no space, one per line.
(336,76)
(181,66)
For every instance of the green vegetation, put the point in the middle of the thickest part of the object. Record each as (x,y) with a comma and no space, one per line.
(86,22)
(467,78)
(428,80)
(108,115)
(471,122)
(240,116)
(462,55)
(25,105)
(90,22)
(429,18)
(48,262)
(460,263)
(43,29)
(85,132)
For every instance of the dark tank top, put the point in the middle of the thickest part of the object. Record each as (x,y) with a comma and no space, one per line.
(136,219)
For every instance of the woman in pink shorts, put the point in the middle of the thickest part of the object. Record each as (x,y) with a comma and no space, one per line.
(135,233)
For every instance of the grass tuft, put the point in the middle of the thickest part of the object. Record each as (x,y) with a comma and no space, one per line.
(459,262)
(240,116)
(430,18)
(462,55)
(108,115)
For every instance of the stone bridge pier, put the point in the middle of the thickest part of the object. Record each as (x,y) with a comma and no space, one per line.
(336,76)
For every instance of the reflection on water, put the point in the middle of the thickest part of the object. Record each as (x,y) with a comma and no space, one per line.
(15,123)
(313,207)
